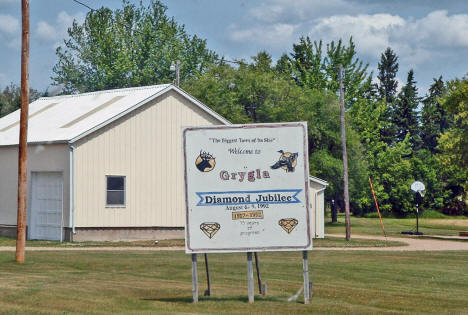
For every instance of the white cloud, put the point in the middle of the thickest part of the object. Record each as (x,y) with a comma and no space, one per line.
(297,11)
(371,32)
(57,31)
(440,29)
(279,23)
(414,40)
(10,31)
(268,36)
(65,20)
(8,24)
(46,32)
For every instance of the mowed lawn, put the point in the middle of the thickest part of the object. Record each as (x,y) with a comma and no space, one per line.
(140,282)
(394,227)
(325,242)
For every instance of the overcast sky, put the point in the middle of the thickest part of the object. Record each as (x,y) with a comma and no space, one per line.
(430,36)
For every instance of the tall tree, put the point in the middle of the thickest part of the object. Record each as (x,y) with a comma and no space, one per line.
(127,47)
(355,71)
(405,116)
(434,118)
(388,68)
(387,90)
(312,67)
(307,61)
(453,143)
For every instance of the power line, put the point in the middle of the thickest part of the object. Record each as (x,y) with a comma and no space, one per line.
(94,10)
(83,4)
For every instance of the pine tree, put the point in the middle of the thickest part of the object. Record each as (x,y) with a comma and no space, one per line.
(388,68)
(405,117)
(387,90)
(434,118)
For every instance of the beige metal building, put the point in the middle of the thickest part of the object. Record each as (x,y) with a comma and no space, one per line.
(102,166)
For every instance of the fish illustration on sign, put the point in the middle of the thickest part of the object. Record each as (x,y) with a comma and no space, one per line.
(287,161)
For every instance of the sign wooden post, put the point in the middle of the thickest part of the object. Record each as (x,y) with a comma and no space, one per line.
(250,280)
(261,288)
(305,270)
(194,278)
(208,280)
(247,190)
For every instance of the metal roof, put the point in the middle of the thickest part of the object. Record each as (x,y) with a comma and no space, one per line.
(318,180)
(70,117)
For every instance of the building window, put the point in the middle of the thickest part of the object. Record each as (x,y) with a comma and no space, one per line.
(115,193)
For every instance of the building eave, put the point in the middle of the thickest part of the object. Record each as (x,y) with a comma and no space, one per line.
(147,100)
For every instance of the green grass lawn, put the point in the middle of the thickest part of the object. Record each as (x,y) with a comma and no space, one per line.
(7,241)
(363,282)
(394,227)
(327,242)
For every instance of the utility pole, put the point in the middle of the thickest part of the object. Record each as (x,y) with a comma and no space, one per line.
(175,66)
(345,153)
(23,141)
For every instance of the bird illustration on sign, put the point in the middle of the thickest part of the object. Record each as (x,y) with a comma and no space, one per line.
(287,161)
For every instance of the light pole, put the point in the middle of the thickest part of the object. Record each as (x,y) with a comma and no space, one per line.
(175,66)
(420,190)
(419,195)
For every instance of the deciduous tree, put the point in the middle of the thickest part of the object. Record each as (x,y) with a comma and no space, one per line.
(10,98)
(453,143)
(127,47)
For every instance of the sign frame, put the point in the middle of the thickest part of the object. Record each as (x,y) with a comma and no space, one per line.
(304,185)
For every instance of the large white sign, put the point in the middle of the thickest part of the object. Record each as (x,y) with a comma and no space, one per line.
(247,188)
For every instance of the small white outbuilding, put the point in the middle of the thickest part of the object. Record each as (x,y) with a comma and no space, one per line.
(317,204)
(105,165)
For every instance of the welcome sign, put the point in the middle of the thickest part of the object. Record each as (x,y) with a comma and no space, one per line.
(247,188)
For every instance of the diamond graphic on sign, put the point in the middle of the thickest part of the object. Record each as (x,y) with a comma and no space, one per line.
(210,228)
(288,224)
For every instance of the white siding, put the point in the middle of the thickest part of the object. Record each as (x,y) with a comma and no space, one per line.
(49,157)
(317,204)
(146,147)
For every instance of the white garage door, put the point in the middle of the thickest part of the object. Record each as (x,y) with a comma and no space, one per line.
(46,206)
